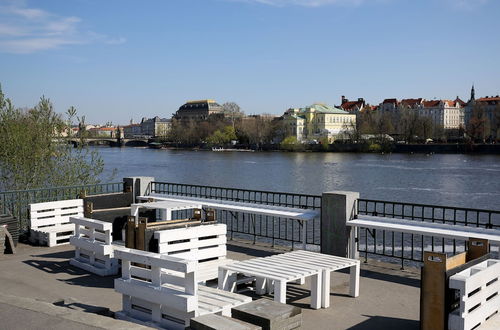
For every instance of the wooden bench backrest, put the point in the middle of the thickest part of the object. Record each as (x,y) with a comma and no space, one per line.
(200,243)
(148,268)
(92,229)
(54,213)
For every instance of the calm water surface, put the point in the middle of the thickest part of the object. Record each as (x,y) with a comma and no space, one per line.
(454,180)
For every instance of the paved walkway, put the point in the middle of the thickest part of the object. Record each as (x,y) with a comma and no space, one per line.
(389,298)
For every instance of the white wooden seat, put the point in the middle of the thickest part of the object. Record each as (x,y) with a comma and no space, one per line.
(205,244)
(93,249)
(49,222)
(479,292)
(164,290)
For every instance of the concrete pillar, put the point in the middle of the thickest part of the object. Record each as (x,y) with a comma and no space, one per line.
(141,185)
(336,208)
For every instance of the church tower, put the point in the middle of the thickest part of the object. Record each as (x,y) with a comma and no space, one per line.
(472,94)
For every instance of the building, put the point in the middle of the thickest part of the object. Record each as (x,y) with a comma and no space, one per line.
(490,107)
(102,132)
(389,105)
(445,113)
(198,110)
(352,106)
(155,126)
(132,130)
(318,121)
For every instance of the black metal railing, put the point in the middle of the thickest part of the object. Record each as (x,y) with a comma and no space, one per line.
(17,202)
(275,230)
(410,247)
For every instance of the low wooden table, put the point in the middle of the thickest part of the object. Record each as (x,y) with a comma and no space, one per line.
(288,267)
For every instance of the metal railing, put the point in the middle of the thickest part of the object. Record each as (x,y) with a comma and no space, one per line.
(17,202)
(277,231)
(410,247)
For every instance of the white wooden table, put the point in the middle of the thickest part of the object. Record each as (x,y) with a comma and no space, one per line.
(301,215)
(165,208)
(288,267)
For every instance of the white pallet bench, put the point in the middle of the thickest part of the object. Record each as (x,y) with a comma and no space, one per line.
(49,222)
(205,244)
(479,288)
(166,293)
(93,249)
(300,215)
(421,228)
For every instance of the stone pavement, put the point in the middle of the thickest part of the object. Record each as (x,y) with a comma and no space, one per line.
(389,298)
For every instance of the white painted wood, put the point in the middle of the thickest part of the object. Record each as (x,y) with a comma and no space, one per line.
(425,228)
(479,291)
(173,291)
(49,222)
(301,215)
(92,239)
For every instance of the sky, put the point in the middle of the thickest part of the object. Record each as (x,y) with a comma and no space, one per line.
(118,60)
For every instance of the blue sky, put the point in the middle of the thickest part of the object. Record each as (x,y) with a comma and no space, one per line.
(118,60)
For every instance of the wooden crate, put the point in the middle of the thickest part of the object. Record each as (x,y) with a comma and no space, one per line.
(436,298)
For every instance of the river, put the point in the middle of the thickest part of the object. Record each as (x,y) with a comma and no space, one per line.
(471,181)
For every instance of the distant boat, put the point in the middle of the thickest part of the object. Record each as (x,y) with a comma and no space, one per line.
(231,149)
(155,145)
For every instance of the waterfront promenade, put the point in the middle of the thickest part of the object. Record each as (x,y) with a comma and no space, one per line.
(389,298)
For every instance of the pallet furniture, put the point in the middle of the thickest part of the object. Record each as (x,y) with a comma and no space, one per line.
(220,322)
(165,208)
(49,222)
(328,264)
(300,215)
(437,300)
(164,290)
(288,267)
(479,292)
(205,244)
(93,249)
(420,228)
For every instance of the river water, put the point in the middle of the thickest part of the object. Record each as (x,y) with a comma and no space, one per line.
(471,181)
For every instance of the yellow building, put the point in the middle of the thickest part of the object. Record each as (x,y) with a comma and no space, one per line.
(318,121)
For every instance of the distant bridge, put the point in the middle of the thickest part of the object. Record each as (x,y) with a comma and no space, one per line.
(113,142)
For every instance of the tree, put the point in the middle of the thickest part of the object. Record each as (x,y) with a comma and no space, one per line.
(34,152)
(223,136)
(232,111)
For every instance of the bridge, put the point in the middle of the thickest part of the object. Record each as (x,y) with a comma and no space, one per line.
(112,142)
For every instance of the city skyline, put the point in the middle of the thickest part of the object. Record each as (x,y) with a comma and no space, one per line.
(116,61)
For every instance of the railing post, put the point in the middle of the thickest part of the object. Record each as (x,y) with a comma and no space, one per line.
(139,185)
(337,238)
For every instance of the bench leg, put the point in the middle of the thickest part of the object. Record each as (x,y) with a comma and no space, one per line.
(325,289)
(354,280)
(226,280)
(260,286)
(280,291)
(316,291)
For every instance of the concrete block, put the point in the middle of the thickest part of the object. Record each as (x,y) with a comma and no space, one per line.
(219,322)
(337,207)
(269,315)
(140,185)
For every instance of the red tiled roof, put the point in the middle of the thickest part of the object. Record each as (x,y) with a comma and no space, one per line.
(459,101)
(411,102)
(395,101)
(351,105)
(486,99)
(431,104)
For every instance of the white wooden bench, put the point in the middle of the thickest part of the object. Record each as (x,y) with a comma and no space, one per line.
(420,228)
(479,288)
(49,222)
(205,244)
(164,290)
(93,249)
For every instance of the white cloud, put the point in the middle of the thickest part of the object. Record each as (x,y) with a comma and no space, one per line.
(26,30)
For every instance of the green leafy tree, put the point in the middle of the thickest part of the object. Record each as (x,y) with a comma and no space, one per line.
(290,143)
(34,152)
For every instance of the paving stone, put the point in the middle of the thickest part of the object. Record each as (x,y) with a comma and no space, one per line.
(219,322)
(270,315)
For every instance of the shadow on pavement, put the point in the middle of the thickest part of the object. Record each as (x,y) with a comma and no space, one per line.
(57,255)
(386,323)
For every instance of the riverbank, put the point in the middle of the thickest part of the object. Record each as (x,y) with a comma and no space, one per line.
(431,148)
